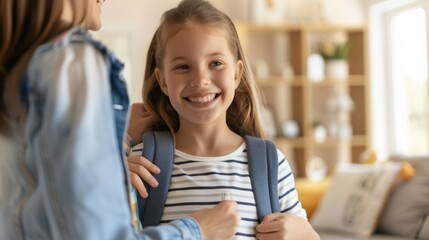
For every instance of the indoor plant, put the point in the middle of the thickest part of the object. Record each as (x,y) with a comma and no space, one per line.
(335,51)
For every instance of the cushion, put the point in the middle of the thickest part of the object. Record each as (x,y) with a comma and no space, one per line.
(408,205)
(356,198)
(424,230)
(344,236)
(310,193)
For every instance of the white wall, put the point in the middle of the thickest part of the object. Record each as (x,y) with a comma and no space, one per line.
(139,19)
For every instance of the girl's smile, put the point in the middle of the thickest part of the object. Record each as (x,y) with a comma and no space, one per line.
(202,99)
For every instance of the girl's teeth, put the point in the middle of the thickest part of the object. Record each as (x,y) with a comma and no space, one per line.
(205,99)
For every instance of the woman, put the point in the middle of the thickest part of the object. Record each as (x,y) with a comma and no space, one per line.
(63,95)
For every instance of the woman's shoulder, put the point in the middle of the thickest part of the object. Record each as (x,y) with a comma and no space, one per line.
(70,57)
(71,48)
(68,42)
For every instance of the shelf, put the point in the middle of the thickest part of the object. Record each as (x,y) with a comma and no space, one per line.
(357,80)
(276,81)
(353,80)
(298,142)
(302,100)
(359,140)
(295,27)
(269,27)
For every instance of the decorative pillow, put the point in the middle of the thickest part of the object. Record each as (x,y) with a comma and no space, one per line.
(408,205)
(424,230)
(356,198)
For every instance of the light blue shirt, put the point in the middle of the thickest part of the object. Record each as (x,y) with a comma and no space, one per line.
(55,180)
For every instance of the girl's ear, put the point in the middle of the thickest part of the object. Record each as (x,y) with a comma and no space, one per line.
(161,80)
(238,73)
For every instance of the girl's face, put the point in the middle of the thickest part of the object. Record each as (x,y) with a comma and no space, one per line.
(199,74)
(95,15)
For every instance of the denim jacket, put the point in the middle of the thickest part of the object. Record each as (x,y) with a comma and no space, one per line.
(55,180)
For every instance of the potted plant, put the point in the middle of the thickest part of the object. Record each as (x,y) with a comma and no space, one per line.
(334,51)
(319,131)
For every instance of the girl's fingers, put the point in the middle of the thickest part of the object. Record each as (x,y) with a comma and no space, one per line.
(148,165)
(137,182)
(143,173)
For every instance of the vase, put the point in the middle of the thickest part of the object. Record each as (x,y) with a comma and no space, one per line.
(316,169)
(315,68)
(337,69)
(319,134)
(290,129)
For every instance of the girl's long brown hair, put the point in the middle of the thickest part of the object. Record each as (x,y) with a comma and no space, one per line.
(243,116)
(25,25)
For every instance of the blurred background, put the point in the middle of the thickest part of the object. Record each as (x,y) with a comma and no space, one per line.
(344,80)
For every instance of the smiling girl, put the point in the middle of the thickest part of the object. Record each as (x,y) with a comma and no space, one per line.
(199,84)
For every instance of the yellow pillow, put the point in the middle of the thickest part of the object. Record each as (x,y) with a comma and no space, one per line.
(310,193)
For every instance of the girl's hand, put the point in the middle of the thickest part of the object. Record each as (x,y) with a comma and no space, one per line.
(285,226)
(141,170)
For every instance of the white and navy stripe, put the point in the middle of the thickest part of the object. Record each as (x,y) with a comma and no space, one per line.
(198,182)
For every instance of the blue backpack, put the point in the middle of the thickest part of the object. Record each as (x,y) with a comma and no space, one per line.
(263,166)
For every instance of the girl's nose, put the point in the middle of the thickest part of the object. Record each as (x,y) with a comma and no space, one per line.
(200,78)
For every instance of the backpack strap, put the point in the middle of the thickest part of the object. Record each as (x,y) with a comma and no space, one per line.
(158,147)
(263,170)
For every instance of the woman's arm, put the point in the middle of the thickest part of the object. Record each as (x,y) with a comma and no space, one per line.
(82,166)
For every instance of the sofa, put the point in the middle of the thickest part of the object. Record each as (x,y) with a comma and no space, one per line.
(401,213)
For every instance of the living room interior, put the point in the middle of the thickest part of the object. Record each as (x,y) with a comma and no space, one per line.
(345,88)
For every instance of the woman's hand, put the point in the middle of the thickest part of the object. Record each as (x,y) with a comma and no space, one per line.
(285,226)
(141,170)
(219,222)
(141,120)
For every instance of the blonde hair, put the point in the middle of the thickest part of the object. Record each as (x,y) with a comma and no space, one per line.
(25,25)
(243,114)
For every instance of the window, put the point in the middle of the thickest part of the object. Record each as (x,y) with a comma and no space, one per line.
(408,82)
(399,77)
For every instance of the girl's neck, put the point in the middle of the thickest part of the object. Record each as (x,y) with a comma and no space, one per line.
(205,141)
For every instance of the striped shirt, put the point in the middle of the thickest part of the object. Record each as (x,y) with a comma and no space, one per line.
(199,182)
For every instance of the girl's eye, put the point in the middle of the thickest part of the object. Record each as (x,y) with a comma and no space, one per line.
(216,63)
(182,67)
